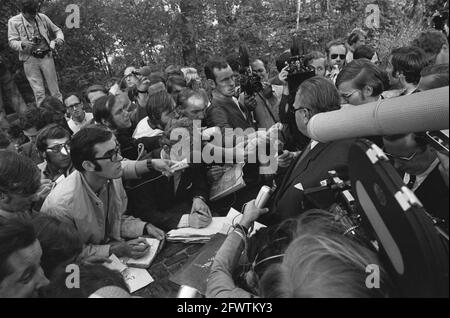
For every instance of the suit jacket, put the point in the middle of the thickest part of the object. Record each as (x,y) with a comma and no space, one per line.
(226,114)
(307,173)
(433,193)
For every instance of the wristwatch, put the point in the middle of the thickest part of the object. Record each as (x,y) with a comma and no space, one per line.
(201,198)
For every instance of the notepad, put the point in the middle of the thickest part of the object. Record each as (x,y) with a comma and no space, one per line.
(231,181)
(135,278)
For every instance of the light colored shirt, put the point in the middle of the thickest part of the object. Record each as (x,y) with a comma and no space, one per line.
(143,129)
(77,126)
(99,218)
(20,30)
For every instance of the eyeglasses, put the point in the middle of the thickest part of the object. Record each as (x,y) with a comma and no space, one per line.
(335,56)
(407,159)
(59,149)
(114,157)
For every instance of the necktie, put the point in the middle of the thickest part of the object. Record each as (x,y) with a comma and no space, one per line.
(412,182)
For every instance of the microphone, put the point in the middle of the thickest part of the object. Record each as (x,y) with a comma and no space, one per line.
(420,112)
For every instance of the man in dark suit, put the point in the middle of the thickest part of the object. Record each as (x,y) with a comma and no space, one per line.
(425,171)
(315,95)
(225,110)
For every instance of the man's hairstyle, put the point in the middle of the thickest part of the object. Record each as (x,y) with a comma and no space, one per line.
(53,111)
(363,73)
(410,61)
(83,143)
(355,36)
(334,43)
(4,140)
(431,42)
(76,94)
(315,55)
(32,118)
(175,80)
(15,234)
(93,89)
(281,61)
(59,240)
(214,63)
(18,174)
(262,60)
(29,6)
(158,104)
(53,131)
(364,52)
(323,263)
(319,94)
(102,109)
(173,70)
(92,279)
(187,94)
(419,138)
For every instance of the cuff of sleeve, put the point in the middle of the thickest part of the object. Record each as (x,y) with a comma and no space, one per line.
(184,222)
(141,227)
(141,168)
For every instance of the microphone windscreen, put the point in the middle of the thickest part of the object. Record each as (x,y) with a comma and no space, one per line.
(420,112)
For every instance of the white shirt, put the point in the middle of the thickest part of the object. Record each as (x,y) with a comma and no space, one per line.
(143,129)
(421,178)
(76,126)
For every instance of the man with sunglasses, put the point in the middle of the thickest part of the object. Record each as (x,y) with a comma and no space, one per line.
(423,170)
(78,117)
(336,55)
(94,199)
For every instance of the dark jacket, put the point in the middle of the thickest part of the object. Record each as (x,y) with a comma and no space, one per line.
(225,114)
(433,193)
(289,200)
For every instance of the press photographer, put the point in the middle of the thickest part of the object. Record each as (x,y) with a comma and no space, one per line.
(29,34)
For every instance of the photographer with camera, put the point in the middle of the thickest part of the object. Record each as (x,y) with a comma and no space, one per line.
(29,34)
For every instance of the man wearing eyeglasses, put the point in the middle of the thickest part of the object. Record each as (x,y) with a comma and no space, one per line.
(78,117)
(94,199)
(423,169)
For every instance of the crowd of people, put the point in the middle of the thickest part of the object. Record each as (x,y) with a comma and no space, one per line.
(85,175)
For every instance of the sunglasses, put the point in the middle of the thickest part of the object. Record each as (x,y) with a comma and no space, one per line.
(59,149)
(335,56)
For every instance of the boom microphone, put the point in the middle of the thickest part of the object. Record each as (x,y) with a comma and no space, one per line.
(421,112)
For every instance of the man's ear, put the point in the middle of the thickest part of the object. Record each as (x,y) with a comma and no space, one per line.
(367,91)
(212,83)
(88,166)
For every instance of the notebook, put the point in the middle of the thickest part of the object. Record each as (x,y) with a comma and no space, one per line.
(135,278)
(147,260)
(231,181)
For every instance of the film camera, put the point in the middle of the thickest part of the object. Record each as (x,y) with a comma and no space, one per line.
(39,53)
(298,70)
(379,211)
(250,82)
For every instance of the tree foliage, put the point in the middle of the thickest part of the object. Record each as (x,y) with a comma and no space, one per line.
(114,34)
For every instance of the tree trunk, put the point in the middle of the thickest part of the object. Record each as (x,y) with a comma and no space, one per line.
(189,9)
